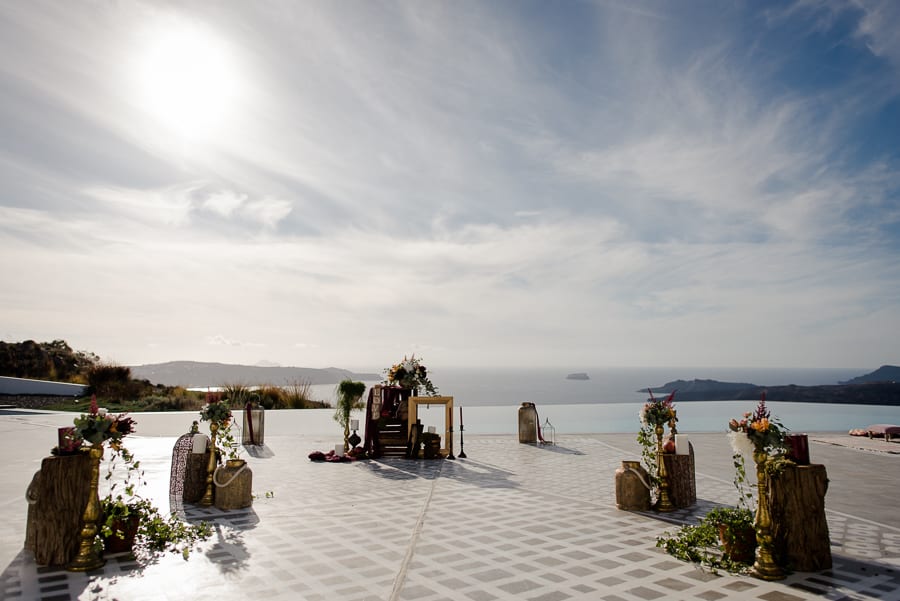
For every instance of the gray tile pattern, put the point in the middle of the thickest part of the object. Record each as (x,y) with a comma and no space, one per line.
(511,522)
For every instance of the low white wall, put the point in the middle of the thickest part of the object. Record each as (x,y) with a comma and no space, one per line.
(39,387)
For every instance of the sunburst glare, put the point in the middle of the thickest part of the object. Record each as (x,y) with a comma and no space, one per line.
(187,81)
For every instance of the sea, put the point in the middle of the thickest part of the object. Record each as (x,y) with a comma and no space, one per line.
(610,400)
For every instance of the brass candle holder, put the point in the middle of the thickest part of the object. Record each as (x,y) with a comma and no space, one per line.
(88,558)
(765,566)
(207,499)
(664,503)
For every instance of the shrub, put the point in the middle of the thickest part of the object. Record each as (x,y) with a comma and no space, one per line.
(297,394)
(272,397)
(109,380)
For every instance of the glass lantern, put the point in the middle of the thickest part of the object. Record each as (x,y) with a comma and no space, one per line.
(548,432)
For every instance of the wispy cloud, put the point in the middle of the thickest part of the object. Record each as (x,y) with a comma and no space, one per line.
(488,181)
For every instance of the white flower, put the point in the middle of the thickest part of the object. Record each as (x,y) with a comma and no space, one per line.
(741,444)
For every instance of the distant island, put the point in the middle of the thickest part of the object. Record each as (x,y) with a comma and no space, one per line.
(885,373)
(578,376)
(196,374)
(879,387)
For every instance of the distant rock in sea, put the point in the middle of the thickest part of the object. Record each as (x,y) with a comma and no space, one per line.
(690,387)
(578,376)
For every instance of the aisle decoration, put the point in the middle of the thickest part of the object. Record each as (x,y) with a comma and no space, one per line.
(655,415)
(763,437)
(128,521)
(96,427)
(411,374)
(219,417)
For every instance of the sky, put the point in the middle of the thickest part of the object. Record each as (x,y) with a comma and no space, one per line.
(505,183)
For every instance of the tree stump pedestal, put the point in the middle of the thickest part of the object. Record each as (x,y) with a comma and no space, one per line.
(682,478)
(57,497)
(195,477)
(797,506)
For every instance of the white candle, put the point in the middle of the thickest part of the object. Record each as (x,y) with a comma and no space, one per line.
(339,449)
(431,429)
(199,441)
(354,424)
(681,445)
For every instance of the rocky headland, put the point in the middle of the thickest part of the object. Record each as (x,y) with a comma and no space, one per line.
(876,388)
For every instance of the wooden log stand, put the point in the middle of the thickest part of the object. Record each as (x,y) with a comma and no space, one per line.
(57,497)
(234,487)
(797,505)
(195,477)
(682,478)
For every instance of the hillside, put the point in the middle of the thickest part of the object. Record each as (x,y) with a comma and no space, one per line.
(195,374)
(885,373)
(863,393)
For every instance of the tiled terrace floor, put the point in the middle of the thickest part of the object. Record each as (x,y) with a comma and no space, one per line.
(511,521)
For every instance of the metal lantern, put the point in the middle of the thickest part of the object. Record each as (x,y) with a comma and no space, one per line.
(253,432)
(548,432)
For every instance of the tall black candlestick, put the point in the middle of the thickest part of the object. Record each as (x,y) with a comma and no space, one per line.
(462,452)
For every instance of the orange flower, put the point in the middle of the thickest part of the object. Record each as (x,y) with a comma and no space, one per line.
(761,425)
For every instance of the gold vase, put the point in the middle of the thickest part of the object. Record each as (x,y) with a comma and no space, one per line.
(207,499)
(664,503)
(765,566)
(88,558)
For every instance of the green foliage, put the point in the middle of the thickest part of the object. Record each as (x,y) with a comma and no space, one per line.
(44,361)
(155,533)
(237,395)
(349,397)
(745,497)
(110,380)
(226,444)
(119,392)
(700,543)
(298,394)
(215,411)
(172,402)
(271,397)
(646,437)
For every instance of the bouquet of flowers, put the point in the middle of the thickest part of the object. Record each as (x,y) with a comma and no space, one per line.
(410,373)
(657,412)
(757,432)
(97,427)
(215,411)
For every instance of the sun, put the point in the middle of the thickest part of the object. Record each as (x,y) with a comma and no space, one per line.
(186,80)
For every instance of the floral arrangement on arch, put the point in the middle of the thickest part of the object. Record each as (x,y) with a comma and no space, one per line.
(757,432)
(98,427)
(410,373)
(659,412)
(215,410)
